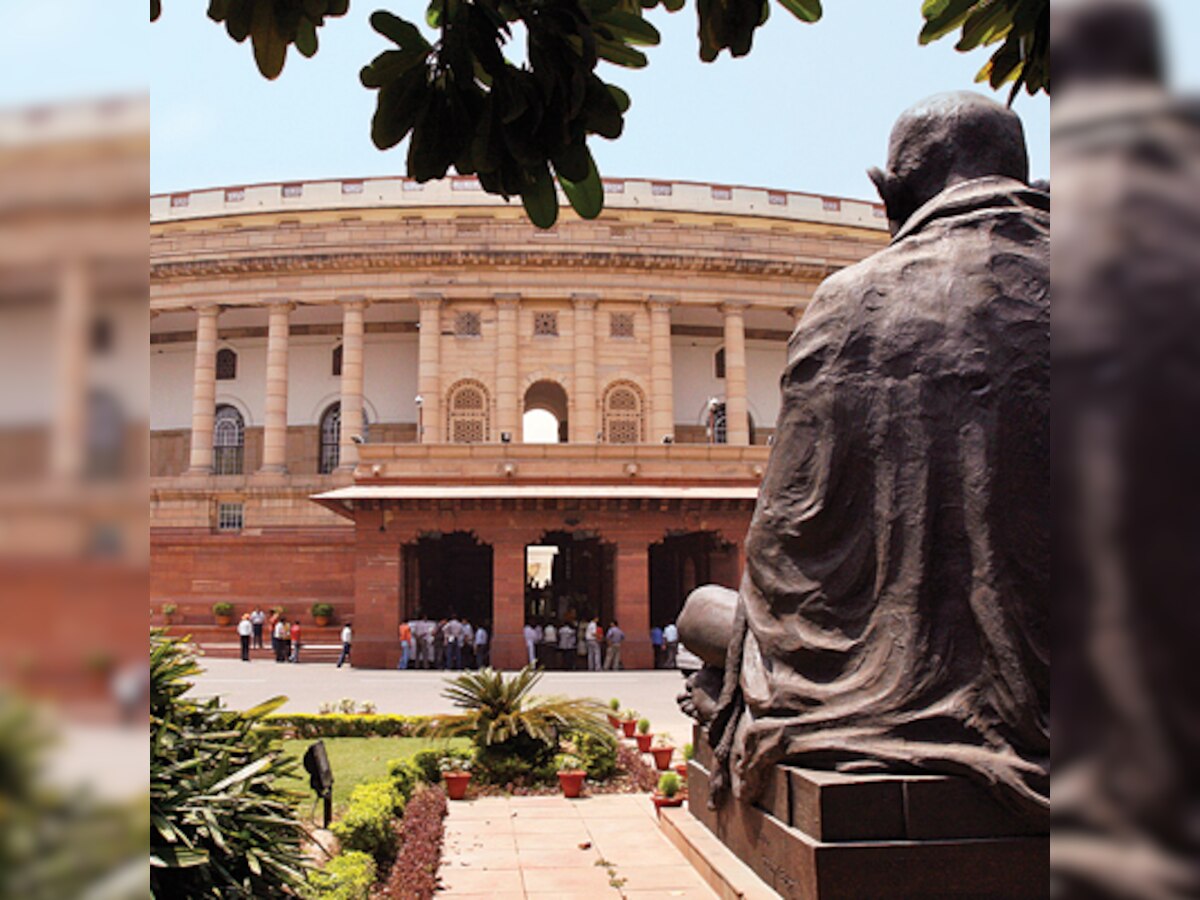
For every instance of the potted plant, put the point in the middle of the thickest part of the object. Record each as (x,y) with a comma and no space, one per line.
(168,611)
(223,612)
(662,751)
(681,769)
(456,773)
(322,613)
(629,720)
(570,775)
(614,719)
(643,736)
(668,793)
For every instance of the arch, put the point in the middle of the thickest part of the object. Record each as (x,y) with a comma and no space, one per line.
(547,396)
(330,431)
(229,440)
(227,364)
(468,412)
(624,406)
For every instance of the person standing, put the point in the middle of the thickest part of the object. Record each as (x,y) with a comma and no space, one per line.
(670,644)
(615,637)
(591,636)
(656,641)
(468,644)
(347,636)
(257,618)
(277,637)
(453,635)
(405,634)
(285,644)
(294,643)
(550,646)
(245,631)
(429,642)
(481,646)
(530,636)
(273,624)
(566,646)
(581,644)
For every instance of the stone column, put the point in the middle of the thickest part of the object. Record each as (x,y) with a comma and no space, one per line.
(632,606)
(662,388)
(583,399)
(352,380)
(508,602)
(508,406)
(274,457)
(68,448)
(737,428)
(204,390)
(429,383)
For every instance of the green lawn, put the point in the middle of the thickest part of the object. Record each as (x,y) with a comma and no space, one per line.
(358,759)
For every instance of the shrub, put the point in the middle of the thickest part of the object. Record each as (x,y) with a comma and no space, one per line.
(688,752)
(213,771)
(643,726)
(414,874)
(627,715)
(568,762)
(404,777)
(345,877)
(222,609)
(367,823)
(428,764)
(640,773)
(614,704)
(322,610)
(328,725)
(599,754)
(668,784)
(169,609)
(347,706)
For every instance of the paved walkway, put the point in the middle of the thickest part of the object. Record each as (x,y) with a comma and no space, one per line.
(557,849)
(242,685)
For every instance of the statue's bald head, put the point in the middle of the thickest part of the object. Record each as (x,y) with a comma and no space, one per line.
(946,139)
(1104,43)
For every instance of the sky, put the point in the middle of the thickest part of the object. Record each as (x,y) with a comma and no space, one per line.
(809,109)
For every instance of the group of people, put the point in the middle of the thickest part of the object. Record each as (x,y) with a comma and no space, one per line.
(285,634)
(573,645)
(665,641)
(451,644)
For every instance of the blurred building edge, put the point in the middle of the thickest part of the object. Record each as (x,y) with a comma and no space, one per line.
(1126,162)
(73,396)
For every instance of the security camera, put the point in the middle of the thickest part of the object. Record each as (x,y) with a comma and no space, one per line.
(668,439)
(418,399)
(358,439)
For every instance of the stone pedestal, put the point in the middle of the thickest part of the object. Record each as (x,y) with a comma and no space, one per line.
(817,835)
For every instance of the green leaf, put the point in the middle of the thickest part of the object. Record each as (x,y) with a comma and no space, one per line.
(621,54)
(804,10)
(633,29)
(586,195)
(943,16)
(306,37)
(403,33)
(270,49)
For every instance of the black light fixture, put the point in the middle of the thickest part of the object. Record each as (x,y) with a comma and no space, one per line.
(506,437)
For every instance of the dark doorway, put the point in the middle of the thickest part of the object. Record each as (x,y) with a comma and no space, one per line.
(448,574)
(568,578)
(681,563)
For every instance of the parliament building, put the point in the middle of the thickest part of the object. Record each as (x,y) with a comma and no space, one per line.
(395,397)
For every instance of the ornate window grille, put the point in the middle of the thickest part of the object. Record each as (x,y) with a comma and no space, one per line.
(623,420)
(620,325)
(468,324)
(226,364)
(467,413)
(229,441)
(545,324)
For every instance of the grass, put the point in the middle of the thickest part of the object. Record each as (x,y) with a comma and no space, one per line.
(358,759)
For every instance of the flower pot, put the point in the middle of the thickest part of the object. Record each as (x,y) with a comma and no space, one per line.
(321,621)
(614,721)
(629,726)
(571,782)
(681,769)
(643,741)
(223,620)
(661,800)
(662,757)
(456,784)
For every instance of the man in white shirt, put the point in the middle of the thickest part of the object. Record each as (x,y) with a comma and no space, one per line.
(481,647)
(671,640)
(468,644)
(245,629)
(347,635)
(549,646)
(591,637)
(452,633)
(531,638)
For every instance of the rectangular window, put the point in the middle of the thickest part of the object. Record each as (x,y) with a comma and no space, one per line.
(464,184)
(352,187)
(235,195)
(545,324)
(411,185)
(831,204)
(612,186)
(722,193)
(777,198)
(660,189)
(179,201)
(293,190)
(230,517)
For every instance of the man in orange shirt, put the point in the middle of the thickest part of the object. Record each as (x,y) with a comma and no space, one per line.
(406,643)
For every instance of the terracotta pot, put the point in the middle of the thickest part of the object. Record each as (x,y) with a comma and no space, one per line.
(681,770)
(321,621)
(629,726)
(571,782)
(660,800)
(643,742)
(614,721)
(456,784)
(224,620)
(662,757)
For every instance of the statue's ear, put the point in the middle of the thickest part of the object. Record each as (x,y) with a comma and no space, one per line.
(889,189)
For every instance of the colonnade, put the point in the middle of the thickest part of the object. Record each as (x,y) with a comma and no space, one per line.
(584,398)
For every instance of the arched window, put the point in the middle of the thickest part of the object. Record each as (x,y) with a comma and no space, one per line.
(467,413)
(623,414)
(229,441)
(331,437)
(226,364)
(719,432)
(337,361)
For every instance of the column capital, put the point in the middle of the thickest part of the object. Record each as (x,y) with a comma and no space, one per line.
(506,299)
(661,302)
(733,307)
(585,301)
(279,302)
(207,308)
(429,300)
(353,301)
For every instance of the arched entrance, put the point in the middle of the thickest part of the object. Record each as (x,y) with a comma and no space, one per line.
(448,574)
(568,579)
(546,411)
(683,561)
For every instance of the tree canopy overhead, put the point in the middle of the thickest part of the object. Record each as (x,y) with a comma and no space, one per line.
(521,126)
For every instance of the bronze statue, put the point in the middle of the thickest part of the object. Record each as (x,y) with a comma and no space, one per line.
(893,613)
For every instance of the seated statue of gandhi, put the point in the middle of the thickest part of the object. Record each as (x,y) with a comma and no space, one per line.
(893,615)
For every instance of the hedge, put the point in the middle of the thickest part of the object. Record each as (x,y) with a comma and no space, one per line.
(414,874)
(367,823)
(345,877)
(330,725)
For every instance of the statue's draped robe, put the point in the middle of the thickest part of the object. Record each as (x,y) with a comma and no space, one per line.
(893,613)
